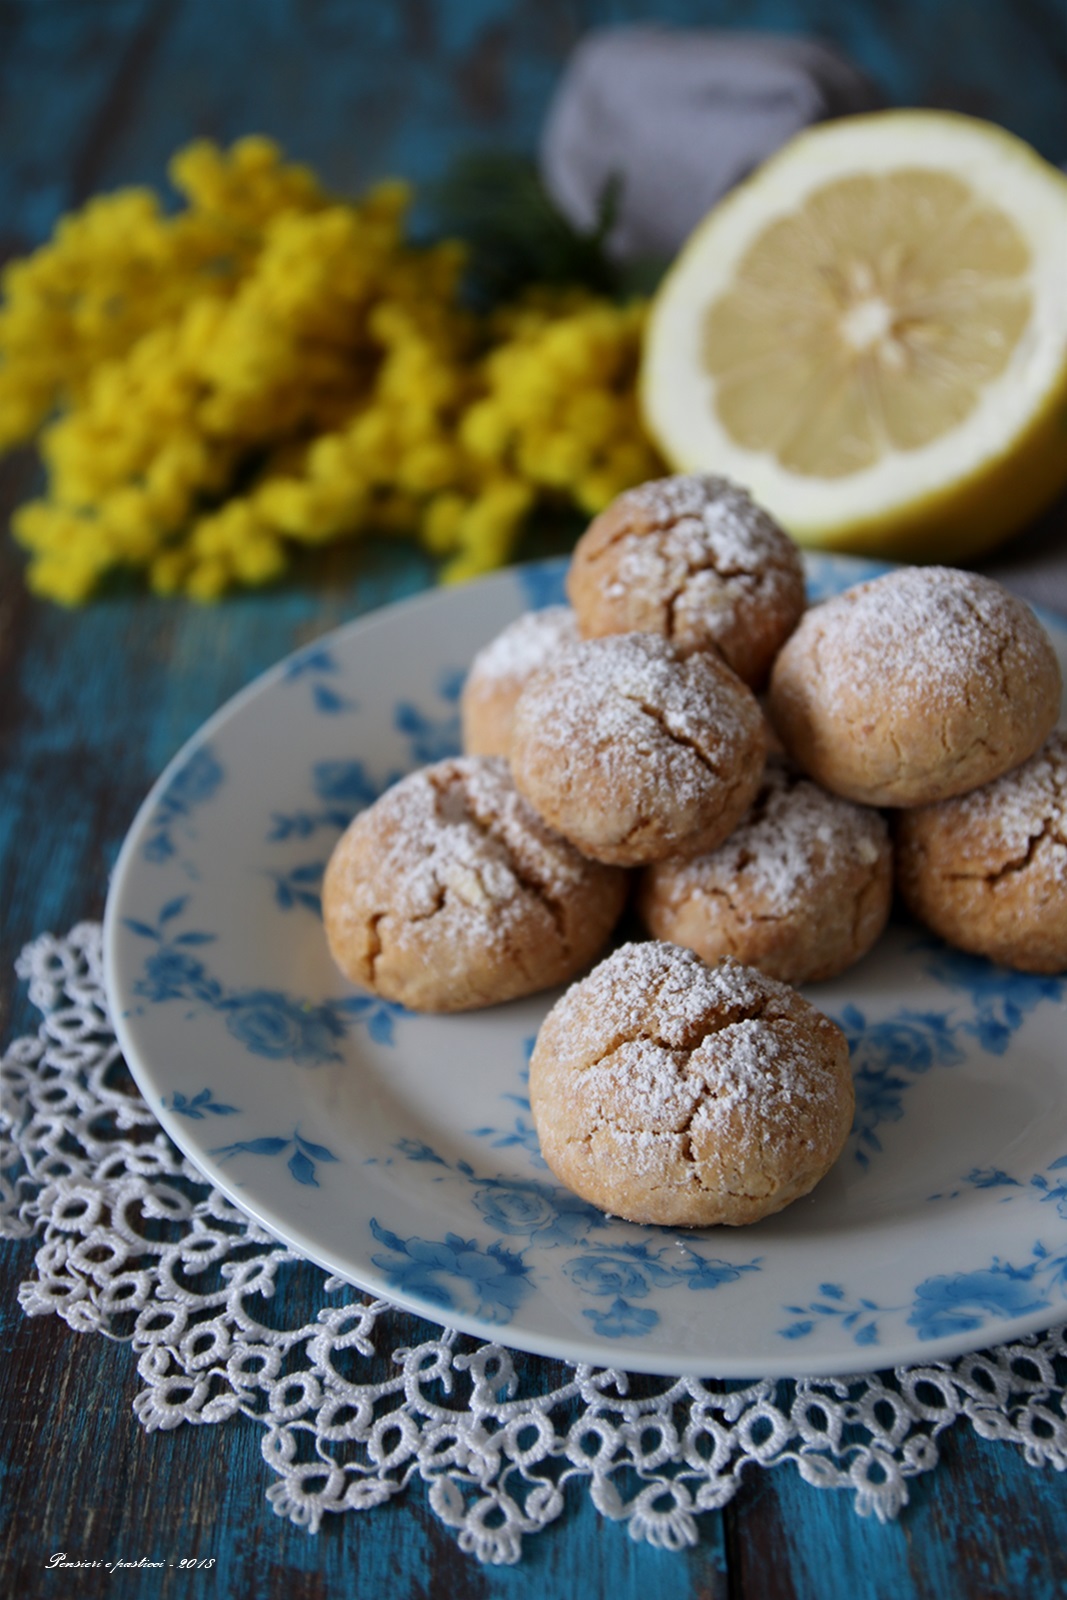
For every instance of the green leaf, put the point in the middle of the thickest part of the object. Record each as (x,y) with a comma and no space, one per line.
(496,203)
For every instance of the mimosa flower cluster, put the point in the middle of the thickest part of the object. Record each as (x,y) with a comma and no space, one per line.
(272,367)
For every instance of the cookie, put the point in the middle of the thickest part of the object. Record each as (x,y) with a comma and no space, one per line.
(801,889)
(450,893)
(664,1090)
(695,560)
(914,687)
(988,871)
(634,752)
(500,672)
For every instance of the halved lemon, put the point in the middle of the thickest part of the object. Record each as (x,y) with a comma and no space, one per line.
(870,335)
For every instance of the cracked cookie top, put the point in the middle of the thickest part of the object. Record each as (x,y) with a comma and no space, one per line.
(694,559)
(500,672)
(665,1090)
(801,888)
(635,752)
(988,871)
(915,686)
(450,893)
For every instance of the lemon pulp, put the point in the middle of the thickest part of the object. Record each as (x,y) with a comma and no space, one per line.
(869,320)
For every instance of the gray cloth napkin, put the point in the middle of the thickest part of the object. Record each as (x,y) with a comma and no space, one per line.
(680,116)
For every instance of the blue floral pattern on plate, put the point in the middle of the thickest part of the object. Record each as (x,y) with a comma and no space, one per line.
(267,1022)
(890,1053)
(318,666)
(1050,1181)
(521,1134)
(946,1304)
(454,1274)
(302,1164)
(198,1106)
(887,1056)
(197,780)
(548,1217)
(408,1160)
(342,788)
(432,737)
(1001,1000)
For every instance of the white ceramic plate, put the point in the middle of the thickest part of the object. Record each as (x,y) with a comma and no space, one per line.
(398,1151)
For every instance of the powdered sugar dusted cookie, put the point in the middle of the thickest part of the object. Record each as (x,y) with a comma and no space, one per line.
(634,752)
(801,889)
(695,560)
(450,893)
(915,686)
(988,871)
(500,672)
(665,1090)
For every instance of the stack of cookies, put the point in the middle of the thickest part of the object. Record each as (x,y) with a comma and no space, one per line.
(618,743)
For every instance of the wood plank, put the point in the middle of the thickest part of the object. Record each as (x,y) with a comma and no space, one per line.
(982,1525)
(106,93)
(57,79)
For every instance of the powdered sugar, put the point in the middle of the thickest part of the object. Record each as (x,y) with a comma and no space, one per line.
(450,893)
(720,567)
(1013,812)
(642,1088)
(930,637)
(524,645)
(710,521)
(915,687)
(662,1045)
(461,829)
(632,714)
(795,833)
(659,991)
(753,1069)
(694,559)
(743,1068)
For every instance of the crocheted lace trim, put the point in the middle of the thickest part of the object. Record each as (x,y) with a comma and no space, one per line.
(358,1399)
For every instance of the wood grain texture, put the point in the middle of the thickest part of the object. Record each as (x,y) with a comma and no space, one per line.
(101,95)
(93,704)
(957,1536)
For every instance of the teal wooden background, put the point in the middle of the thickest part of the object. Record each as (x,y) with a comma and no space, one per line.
(93,704)
(92,95)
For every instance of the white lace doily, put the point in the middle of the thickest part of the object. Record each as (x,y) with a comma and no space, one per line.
(357,1399)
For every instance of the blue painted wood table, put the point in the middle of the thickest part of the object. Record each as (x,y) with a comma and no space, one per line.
(94,703)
